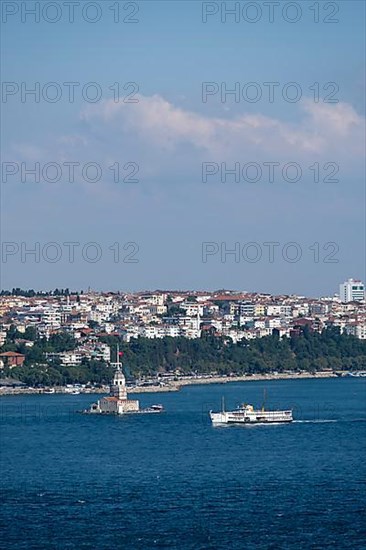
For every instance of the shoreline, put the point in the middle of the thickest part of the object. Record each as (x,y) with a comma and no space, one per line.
(178,384)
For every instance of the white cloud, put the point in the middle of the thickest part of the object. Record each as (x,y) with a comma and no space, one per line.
(323,129)
(170,143)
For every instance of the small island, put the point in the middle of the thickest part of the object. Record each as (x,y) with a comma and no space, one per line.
(117,401)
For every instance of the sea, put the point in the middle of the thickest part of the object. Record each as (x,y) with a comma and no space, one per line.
(173,481)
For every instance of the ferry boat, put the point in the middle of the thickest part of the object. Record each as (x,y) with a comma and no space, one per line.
(246,414)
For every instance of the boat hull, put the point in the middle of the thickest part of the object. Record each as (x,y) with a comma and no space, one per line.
(253,417)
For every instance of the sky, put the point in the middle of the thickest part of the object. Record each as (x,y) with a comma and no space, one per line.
(175,145)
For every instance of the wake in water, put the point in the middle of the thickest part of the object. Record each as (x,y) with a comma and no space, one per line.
(266,424)
(323,421)
(313,421)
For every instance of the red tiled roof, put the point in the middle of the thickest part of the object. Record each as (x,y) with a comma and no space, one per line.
(227,298)
(11,354)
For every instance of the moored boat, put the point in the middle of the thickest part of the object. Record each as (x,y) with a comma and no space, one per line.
(152,409)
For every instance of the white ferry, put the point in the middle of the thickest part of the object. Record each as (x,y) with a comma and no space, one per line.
(246,414)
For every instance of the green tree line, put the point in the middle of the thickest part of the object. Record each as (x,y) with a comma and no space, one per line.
(30,293)
(309,351)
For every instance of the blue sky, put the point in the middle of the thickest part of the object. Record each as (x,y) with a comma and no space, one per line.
(169,133)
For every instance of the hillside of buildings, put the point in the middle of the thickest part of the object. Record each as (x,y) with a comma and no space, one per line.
(59,337)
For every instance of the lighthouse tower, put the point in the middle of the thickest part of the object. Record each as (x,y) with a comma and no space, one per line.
(117,401)
(118,386)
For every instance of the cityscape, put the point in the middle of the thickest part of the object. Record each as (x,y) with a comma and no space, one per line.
(87,325)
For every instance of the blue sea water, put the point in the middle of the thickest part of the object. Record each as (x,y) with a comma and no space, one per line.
(173,481)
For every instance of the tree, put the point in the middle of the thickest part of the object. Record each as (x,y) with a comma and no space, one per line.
(310,351)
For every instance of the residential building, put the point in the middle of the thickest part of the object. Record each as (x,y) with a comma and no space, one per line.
(12,359)
(352,291)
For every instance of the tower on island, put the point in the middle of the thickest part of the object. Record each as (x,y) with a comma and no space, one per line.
(117,401)
(118,386)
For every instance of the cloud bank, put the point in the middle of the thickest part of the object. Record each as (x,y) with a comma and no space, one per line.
(156,123)
(170,143)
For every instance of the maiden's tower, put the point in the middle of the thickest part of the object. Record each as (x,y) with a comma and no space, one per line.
(117,401)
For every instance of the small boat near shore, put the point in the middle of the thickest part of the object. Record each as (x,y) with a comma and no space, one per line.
(72,390)
(246,414)
(153,409)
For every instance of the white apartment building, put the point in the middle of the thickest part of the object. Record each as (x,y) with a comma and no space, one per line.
(96,316)
(319,308)
(236,335)
(246,309)
(51,317)
(154,299)
(273,322)
(263,332)
(157,309)
(160,331)
(148,332)
(286,311)
(130,332)
(189,322)
(190,332)
(210,309)
(273,310)
(356,329)
(67,358)
(243,319)
(300,310)
(352,291)
(102,352)
(192,309)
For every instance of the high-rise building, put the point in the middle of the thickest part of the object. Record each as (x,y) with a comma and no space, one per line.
(352,291)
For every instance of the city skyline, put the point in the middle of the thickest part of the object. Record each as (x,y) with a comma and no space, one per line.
(344,290)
